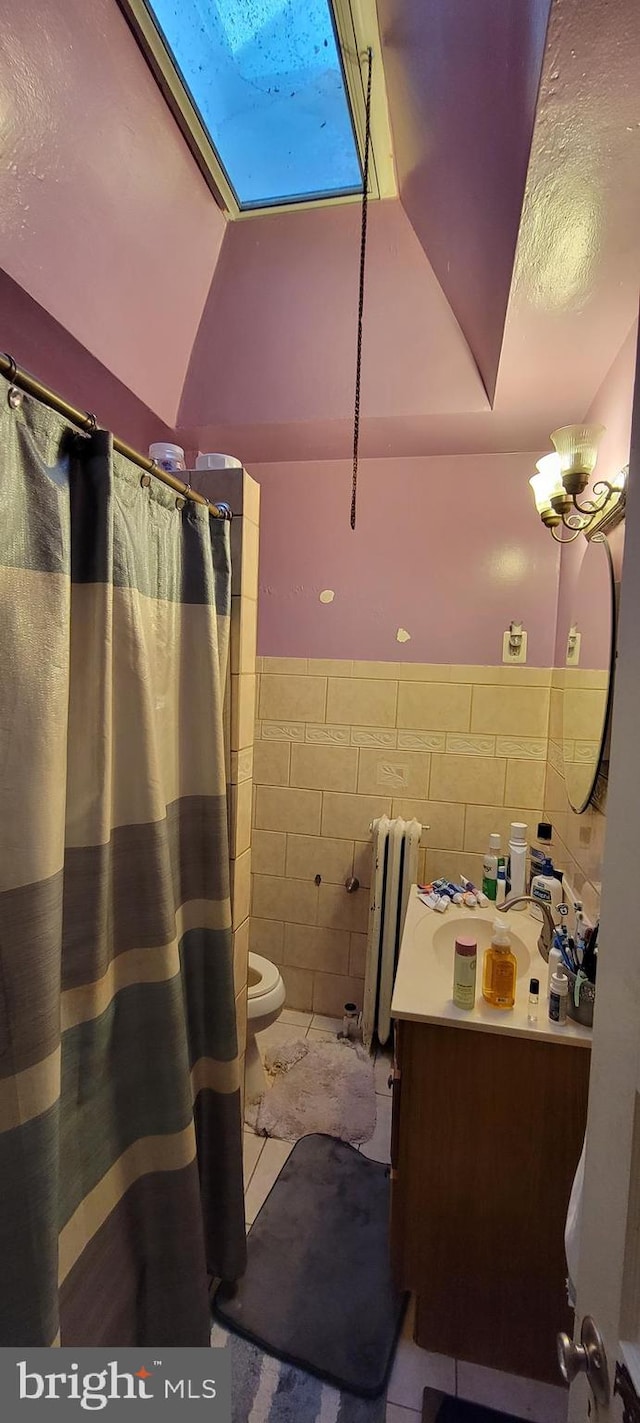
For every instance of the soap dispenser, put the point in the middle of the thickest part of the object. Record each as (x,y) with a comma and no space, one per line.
(500,969)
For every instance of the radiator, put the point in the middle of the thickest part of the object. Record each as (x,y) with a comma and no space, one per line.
(395,846)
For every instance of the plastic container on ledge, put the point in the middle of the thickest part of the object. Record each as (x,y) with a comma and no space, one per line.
(168,457)
(217,461)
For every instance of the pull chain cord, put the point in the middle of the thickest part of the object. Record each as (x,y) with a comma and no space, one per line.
(363,254)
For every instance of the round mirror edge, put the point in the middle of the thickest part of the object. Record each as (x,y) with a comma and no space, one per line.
(598,789)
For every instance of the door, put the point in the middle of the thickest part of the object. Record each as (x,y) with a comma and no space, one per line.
(608,1283)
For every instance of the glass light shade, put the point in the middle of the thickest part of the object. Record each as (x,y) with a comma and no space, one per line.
(547,482)
(577,447)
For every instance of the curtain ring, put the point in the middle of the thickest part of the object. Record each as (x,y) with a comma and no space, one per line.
(15,396)
(145,480)
(180,502)
(93,423)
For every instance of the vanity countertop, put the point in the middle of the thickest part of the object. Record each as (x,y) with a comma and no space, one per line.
(424,976)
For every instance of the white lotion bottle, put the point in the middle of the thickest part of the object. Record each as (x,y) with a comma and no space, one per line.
(517,860)
(556,965)
(546,889)
(558,998)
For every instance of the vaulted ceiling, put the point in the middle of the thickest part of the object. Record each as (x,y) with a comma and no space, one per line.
(463,83)
(499,287)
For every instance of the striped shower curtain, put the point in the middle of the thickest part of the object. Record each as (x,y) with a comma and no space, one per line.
(120,1129)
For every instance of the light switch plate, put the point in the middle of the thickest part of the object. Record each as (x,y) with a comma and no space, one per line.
(511,654)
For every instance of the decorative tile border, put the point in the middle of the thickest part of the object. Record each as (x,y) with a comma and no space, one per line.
(327,735)
(461,744)
(282,731)
(586,751)
(522,748)
(422,741)
(373,736)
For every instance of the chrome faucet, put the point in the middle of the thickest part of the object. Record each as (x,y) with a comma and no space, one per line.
(548,923)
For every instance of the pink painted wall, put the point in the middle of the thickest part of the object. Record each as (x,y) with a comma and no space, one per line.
(462,82)
(576,279)
(274,361)
(448,548)
(60,361)
(611,407)
(105,219)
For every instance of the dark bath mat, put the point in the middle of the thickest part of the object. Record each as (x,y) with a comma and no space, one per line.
(317,1291)
(457,1410)
(266,1390)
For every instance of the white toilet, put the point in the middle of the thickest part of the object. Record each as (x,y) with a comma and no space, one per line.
(266,995)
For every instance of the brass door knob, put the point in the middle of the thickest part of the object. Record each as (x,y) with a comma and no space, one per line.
(351,884)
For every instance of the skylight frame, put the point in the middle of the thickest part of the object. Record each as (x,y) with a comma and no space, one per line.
(355,24)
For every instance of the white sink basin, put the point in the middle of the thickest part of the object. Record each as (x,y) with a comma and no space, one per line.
(452,926)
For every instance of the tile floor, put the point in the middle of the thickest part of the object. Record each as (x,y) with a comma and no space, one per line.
(414,1369)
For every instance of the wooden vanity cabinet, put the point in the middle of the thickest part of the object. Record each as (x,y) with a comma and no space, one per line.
(487,1133)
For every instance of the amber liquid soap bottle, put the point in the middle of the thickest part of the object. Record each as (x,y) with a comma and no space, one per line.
(500,969)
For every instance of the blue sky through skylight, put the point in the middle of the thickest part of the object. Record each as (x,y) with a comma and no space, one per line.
(267,81)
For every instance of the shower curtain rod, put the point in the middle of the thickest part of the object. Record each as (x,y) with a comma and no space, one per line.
(17,376)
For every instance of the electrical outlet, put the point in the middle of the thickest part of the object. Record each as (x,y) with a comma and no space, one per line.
(514,644)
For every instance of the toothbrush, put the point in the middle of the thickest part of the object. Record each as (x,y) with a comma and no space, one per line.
(580,932)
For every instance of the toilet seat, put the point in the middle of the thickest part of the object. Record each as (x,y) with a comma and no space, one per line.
(263,976)
(266,994)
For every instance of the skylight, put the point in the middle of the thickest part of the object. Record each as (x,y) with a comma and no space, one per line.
(266,80)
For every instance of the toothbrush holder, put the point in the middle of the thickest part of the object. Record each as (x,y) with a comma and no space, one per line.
(583,1013)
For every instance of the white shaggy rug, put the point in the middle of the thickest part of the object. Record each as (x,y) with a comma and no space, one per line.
(317,1087)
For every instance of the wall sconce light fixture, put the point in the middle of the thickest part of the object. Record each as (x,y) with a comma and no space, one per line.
(562,477)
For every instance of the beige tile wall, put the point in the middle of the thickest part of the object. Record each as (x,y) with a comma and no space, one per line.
(578,839)
(243,494)
(463,749)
